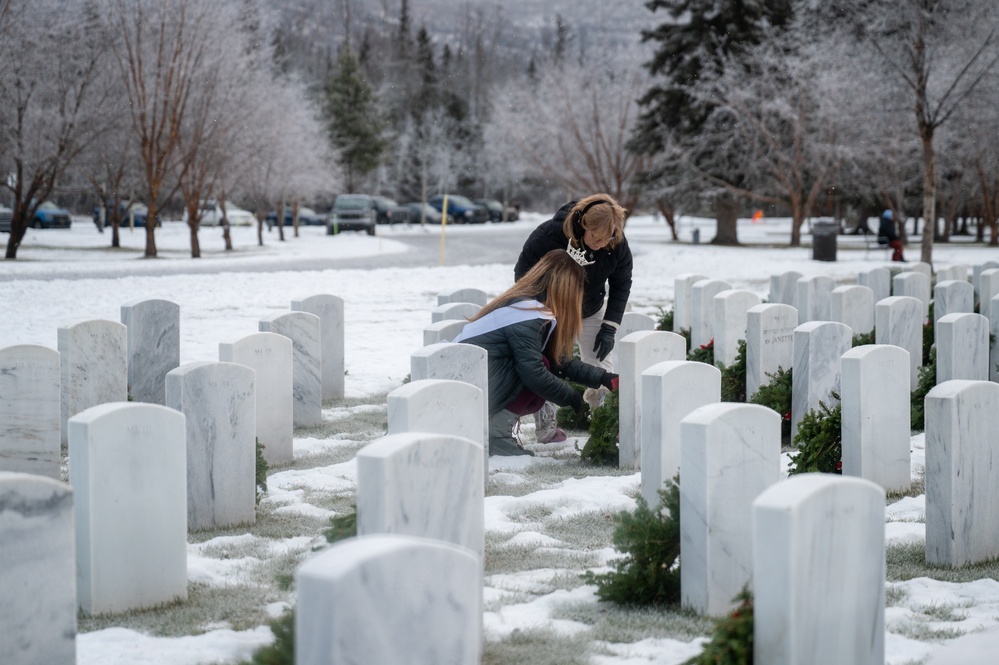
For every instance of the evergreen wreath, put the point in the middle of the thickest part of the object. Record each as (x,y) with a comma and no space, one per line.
(705,353)
(777,396)
(733,378)
(261,471)
(917,398)
(649,573)
(282,650)
(665,321)
(605,429)
(568,418)
(342,526)
(732,640)
(819,441)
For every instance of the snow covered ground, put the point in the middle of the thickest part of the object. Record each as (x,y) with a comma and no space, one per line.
(386,310)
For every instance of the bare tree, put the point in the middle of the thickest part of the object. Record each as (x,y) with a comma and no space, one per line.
(50,104)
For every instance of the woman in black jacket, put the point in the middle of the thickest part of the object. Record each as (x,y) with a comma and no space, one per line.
(529,332)
(592,231)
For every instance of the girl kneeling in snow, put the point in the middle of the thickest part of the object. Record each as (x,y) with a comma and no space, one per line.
(529,332)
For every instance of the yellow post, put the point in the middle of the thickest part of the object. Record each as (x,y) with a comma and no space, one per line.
(443,225)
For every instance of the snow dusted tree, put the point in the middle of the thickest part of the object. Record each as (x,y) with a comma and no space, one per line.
(938,51)
(573,126)
(353,120)
(51,105)
(694,45)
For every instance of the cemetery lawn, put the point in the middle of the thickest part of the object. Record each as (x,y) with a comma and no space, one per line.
(548,518)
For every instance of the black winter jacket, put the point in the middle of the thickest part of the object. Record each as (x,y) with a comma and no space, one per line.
(612,265)
(514,356)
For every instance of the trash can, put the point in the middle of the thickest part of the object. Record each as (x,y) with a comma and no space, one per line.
(824,240)
(696,236)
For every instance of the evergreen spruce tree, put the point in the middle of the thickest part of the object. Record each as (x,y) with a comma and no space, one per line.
(354,124)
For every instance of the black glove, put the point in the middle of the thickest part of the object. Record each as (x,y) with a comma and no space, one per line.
(605,340)
(609,381)
(576,401)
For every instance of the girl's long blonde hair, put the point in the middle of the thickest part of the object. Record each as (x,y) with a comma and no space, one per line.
(557,280)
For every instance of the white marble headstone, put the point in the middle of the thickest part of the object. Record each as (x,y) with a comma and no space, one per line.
(440,406)
(420,484)
(702,296)
(269,355)
(637,352)
(475,296)
(442,331)
(454,311)
(769,342)
(819,571)
(958,272)
(730,317)
(631,322)
(670,391)
(37,571)
(899,322)
(128,469)
(993,309)
(921,267)
(962,347)
(217,399)
(784,288)
(877,280)
(390,600)
(303,329)
(818,347)
(854,306)
(329,309)
(729,454)
(153,346)
(814,298)
(93,366)
(682,305)
(976,274)
(951,297)
(962,449)
(988,285)
(30,410)
(875,422)
(915,285)
(457,362)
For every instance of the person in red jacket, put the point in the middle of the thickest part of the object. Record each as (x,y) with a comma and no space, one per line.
(592,231)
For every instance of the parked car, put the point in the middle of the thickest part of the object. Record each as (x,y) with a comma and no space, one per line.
(211,214)
(494,207)
(426,213)
(389,212)
(352,212)
(51,216)
(6,216)
(130,212)
(306,217)
(461,209)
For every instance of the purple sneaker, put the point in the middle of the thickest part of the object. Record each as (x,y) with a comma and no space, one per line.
(555,436)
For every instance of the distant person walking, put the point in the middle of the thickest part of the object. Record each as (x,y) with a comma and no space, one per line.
(528,333)
(888,231)
(591,230)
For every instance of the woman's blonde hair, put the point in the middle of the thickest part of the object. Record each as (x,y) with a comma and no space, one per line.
(557,280)
(599,214)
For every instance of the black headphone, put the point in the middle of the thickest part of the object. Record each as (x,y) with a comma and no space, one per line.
(577,222)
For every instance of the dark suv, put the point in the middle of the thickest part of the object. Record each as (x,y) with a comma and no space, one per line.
(389,212)
(462,210)
(352,212)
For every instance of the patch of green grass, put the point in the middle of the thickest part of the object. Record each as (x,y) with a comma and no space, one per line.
(917,488)
(906,562)
(924,633)
(517,558)
(537,647)
(585,531)
(895,595)
(942,612)
(622,625)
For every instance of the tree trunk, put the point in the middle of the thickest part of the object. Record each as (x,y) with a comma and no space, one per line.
(151,229)
(195,244)
(727,212)
(669,214)
(929,197)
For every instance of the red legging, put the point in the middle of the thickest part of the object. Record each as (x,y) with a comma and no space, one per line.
(897,246)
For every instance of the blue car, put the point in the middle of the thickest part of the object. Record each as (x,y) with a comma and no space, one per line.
(51,216)
(129,213)
(460,209)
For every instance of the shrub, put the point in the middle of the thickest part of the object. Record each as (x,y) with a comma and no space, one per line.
(862,339)
(665,321)
(605,426)
(282,650)
(733,378)
(819,441)
(927,379)
(928,339)
(705,353)
(567,418)
(648,574)
(262,468)
(732,640)
(777,396)
(342,526)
